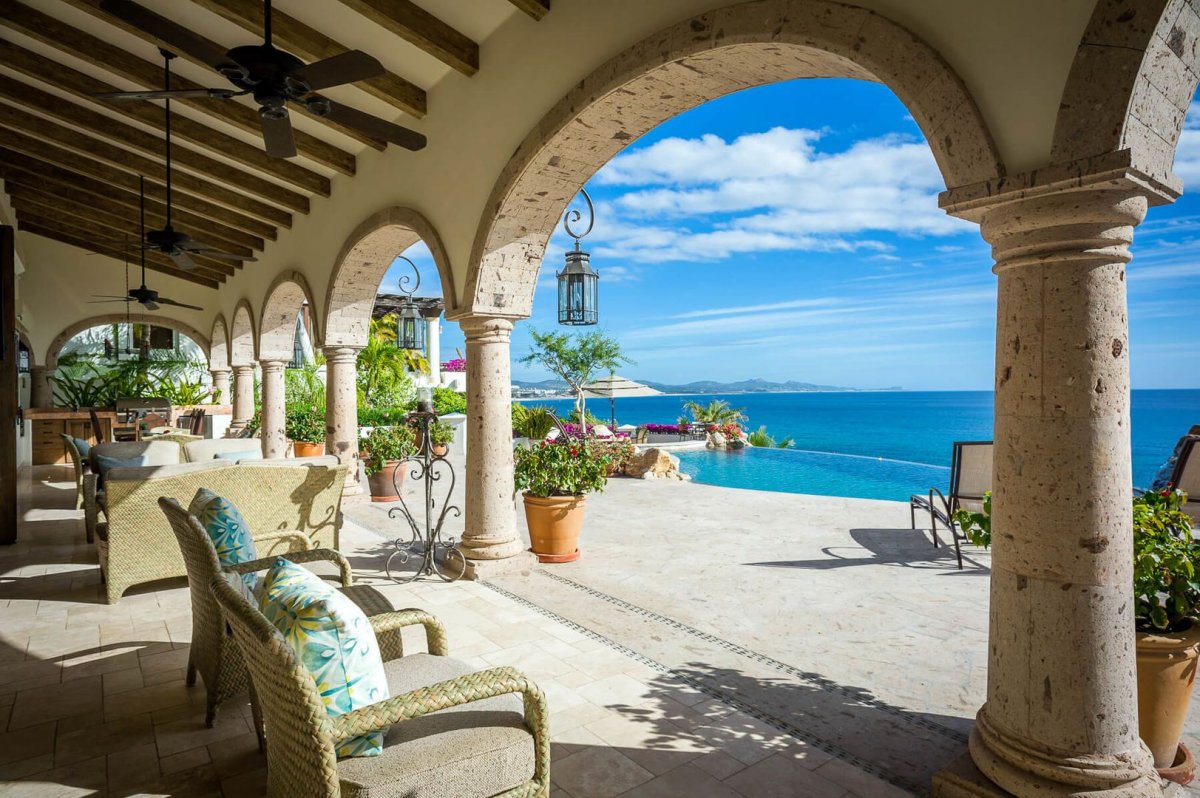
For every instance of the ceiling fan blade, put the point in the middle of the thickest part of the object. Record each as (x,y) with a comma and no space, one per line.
(174,94)
(277,136)
(150,305)
(163,300)
(183,260)
(348,67)
(179,38)
(107,301)
(209,252)
(110,297)
(371,125)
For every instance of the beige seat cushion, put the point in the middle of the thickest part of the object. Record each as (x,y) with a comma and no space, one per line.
(329,460)
(199,451)
(152,452)
(479,749)
(138,473)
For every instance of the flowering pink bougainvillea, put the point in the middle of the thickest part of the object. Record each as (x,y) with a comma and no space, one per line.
(457,364)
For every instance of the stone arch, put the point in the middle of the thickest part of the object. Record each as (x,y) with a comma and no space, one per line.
(114,318)
(1134,75)
(218,355)
(690,63)
(361,264)
(277,324)
(243,343)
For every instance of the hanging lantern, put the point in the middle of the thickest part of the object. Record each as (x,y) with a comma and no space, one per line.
(410,326)
(578,284)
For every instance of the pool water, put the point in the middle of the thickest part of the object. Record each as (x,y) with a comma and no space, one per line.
(821,473)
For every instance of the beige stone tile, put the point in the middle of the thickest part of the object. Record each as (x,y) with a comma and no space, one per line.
(578,715)
(616,690)
(684,780)
(236,755)
(42,704)
(252,784)
(82,778)
(599,772)
(122,681)
(26,767)
(150,699)
(163,677)
(106,738)
(782,777)
(187,733)
(169,660)
(572,741)
(657,745)
(184,760)
(27,743)
(859,781)
(132,767)
(718,764)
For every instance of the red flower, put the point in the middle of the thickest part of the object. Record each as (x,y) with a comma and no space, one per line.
(574,452)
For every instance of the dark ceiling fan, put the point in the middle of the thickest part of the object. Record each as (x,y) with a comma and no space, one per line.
(146,297)
(272,76)
(176,245)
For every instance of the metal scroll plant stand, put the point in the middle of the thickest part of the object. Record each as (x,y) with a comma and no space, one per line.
(438,556)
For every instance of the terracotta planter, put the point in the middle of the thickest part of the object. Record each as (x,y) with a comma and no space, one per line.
(554,524)
(1166,673)
(307,449)
(440,449)
(383,487)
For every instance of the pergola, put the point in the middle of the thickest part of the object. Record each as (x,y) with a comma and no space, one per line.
(1054,126)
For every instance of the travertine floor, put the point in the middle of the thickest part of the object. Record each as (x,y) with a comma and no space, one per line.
(93,700)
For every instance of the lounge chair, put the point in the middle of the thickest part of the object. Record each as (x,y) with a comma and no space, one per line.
(970,478)
(1186,477)
(450,729)
(78,463)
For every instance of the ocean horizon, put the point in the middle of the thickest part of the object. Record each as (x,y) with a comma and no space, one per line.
(910,428)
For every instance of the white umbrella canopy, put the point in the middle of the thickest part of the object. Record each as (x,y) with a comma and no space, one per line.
(614,386)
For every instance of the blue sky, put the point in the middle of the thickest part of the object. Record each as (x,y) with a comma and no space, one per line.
(792,232)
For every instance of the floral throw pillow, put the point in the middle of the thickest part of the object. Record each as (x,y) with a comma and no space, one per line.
(333,639)
(229,533)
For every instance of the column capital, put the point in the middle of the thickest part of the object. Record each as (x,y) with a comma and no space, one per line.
(219,371)
(272,365)
(339,353)
(244,368)
(486,329)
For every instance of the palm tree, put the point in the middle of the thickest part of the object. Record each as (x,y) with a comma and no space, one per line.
(380,364)
(717,411)
(383,330)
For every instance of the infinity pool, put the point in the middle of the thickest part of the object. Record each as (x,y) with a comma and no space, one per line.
(822,473)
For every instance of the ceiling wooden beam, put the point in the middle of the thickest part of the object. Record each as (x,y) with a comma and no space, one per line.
(149,75)
(93,122)
(72,213)
(56,156)
(93,8)
(53,180)
(106,236)
(534,8)
(154,262)
(221,205)
(422,29)
(85,86)
(312,45)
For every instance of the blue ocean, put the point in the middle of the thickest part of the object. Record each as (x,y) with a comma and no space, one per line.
(875,445)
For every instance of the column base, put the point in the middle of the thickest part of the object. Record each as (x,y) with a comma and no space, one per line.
(962,779)
(520,564)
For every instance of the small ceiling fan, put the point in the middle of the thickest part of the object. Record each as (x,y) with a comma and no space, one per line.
(176,245)
(272,76)
(146,297)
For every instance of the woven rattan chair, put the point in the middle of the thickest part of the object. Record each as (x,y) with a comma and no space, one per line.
(213,653)
(451,731)
(78,464)
(970,478)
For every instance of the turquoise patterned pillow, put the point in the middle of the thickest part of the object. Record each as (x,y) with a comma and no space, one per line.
(228,531)
(333,639)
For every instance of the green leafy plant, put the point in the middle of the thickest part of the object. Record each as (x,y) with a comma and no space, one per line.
(447,401)
(304,423)
(575,359)
(570,468)
(369,416)
(303,386)
(761,438)
(619,452)
(382,375)
(385,444)
(535,423)
(717,411)
(1166,589)
(977,526)
(441,433)
(573,417)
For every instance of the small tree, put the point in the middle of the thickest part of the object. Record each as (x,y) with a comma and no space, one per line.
(575,359)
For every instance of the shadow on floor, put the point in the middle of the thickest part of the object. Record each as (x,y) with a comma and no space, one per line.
(908,548)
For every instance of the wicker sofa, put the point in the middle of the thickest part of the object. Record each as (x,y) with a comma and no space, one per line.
(136,544)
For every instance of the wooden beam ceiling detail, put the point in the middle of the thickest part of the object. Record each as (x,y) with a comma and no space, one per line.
(154,262)
(422,29)
(48,153)
(23,94)
(84,86)
(299,39)
(534,8)
(93,8)
(149,75)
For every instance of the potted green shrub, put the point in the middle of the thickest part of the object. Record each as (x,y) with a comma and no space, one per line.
(441,435)
(531,424)
(555,479)
(305,428)
(1166,594)
(381,451)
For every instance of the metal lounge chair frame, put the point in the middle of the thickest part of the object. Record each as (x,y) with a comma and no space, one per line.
(943,506)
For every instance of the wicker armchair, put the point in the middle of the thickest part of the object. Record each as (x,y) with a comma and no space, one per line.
(78,464)
(450,730)
(213,653)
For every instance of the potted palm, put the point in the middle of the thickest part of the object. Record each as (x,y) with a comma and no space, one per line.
(305,427)
(381,451)
(1166,588)
(555,478)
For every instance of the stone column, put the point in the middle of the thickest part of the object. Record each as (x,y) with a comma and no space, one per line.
(220,384)
(243,398)
(341,410)
(274,440)
(1061,712)
(40,392)
(490,528)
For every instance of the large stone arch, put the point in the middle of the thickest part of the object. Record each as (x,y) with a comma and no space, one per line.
(362,263)
(218,354)
(114,318)
(690,63)
(277,323)
(243,343)
(1134,75)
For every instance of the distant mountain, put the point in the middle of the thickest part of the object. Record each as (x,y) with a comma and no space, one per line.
(712,386)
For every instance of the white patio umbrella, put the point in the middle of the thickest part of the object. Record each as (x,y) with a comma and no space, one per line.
(611,387)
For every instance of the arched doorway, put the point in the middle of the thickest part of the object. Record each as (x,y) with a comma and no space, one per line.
(242,351)
(218,361)
(287,307)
